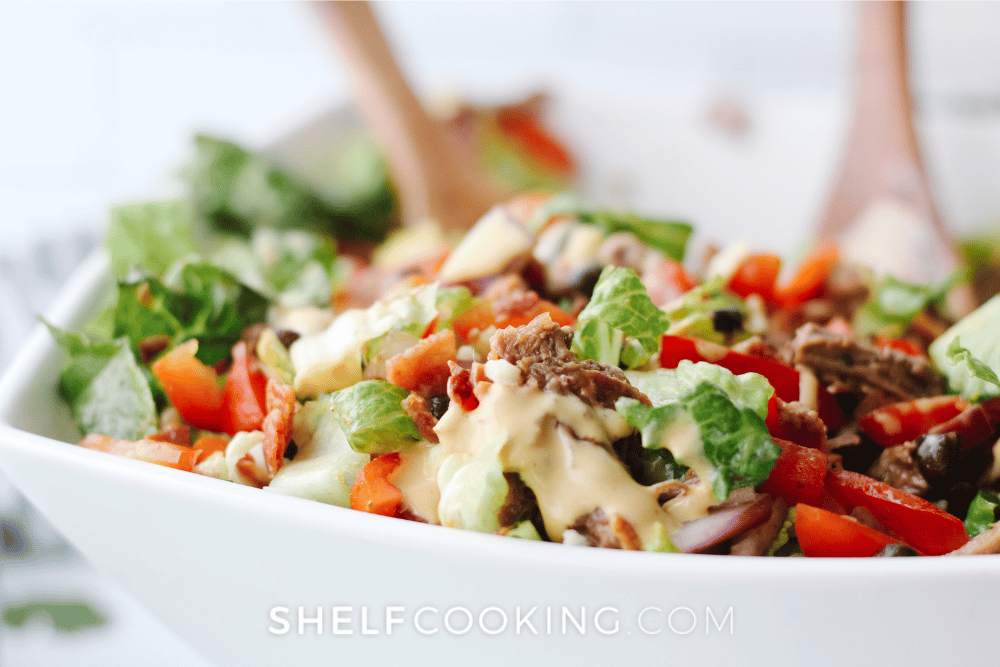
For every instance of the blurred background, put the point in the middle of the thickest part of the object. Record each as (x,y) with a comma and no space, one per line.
(100,101)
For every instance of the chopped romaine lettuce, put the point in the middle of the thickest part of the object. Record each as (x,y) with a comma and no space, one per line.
(786,543)
(525,531)
(979,341)
(670,237)
(152,236)
(709,419)
(333,359)
(194,301)
(661,541)
(692,313)
(451,302)
(240,191)
(472,494)
(325,466)
(892,305)
(273,354)
(619,307)
(373,418)
(957,353)
(105,388)
(982,512)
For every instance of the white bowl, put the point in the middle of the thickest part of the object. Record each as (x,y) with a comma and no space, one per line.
(219,562)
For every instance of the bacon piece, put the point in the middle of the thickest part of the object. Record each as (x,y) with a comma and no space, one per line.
(178,434)
(277,427)
(419,410)
(460,387)
(424,367)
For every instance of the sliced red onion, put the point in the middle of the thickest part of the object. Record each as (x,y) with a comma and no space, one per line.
(700,535)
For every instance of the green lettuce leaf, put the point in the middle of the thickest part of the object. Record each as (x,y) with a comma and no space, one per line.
(957,353)
(786,543)
(325,467)
(451,302)
(472,494)
(982,512)
(373,418)
(668,236)
(106,390)
(151,236)
(239,191)
(892,305)
(709,419)
(691,314)
(619,307)
(198,301)
(971,366)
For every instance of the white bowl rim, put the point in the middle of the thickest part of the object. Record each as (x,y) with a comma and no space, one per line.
(75,302)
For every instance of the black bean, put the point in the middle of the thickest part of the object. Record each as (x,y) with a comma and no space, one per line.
(439,405)
(586,281)
(727,320)
(937,455)
(897,549)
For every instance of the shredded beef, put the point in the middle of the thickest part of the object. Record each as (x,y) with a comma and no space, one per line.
(897,468)
(540,349)
(847,363)
(419,410)
(800,424)
(757,540)
(520,504)
(609,531)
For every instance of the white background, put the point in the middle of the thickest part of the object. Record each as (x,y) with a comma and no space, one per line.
(98,103)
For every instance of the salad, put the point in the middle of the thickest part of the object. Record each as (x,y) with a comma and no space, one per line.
(560,373)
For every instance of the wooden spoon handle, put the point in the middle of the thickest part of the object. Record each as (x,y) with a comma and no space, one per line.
(431,178)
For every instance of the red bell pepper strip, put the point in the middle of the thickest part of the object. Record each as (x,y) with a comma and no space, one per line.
(784,379)
(525,131)
(372,491)
(191,386)
(901,422)
(757,274)
(244,394)
(973,426)
(207,445)
(922,525)
(798,474)
(809,278)
(152,451)
(825,534)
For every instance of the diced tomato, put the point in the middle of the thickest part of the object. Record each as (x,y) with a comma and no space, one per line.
(825,534)
(798,474)
(372,491)
(525,131)
(191,386)
(809,278)
(900,422)
(678,277)
(558,315)
(244,394)
(757,274)
(922,525)
(901,344)
(784,379)
(207,445)
(477,317)
(152,451)
(973,427)
(480,317)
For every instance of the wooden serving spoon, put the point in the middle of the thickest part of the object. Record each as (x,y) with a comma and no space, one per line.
(434,179)
(880,211)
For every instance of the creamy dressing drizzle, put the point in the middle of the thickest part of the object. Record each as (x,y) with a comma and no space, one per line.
(561,447)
